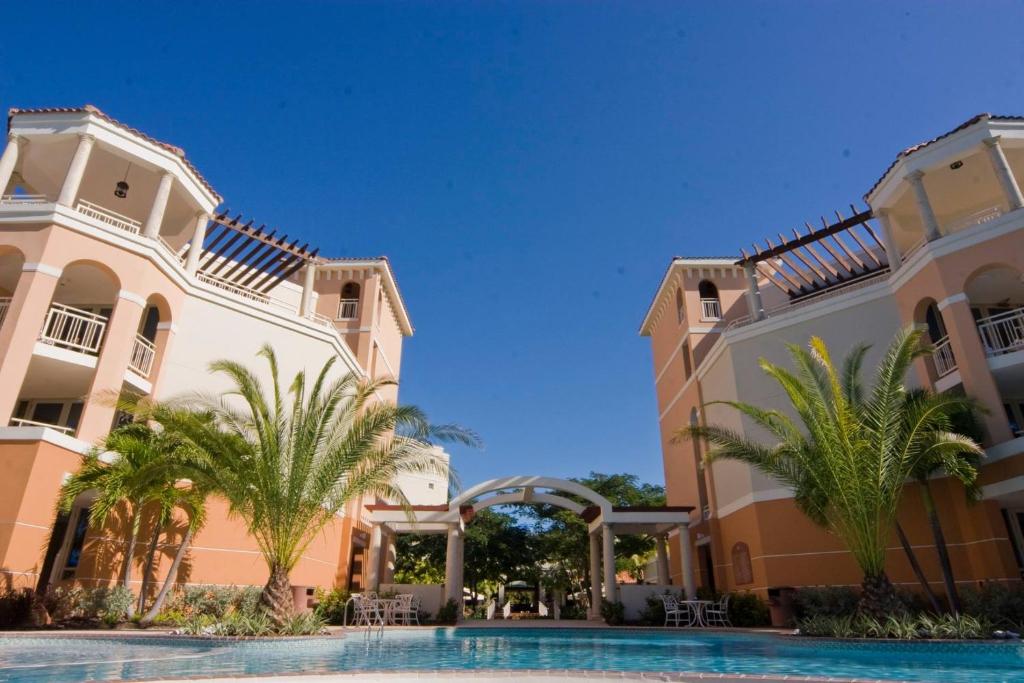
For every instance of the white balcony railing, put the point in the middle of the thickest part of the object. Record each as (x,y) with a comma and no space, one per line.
(942,356)
(321,319)
(710,309)
(243,292)
(5,303)
(348,309)
(18,199)
(21,422)
(108,217)
(73,328)
(976,218)
(143,352)
(1003,332)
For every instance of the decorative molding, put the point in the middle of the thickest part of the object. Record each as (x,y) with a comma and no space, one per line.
(168,326)
(133,297)
(952,299)
(43,268)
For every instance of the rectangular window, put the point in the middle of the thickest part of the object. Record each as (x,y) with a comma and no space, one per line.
(687,366)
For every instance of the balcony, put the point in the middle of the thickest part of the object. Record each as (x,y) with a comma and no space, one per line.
(348,309)
(23,199)
(143,353)
(73,329)
(228,286)
(21,422)
(942,356)
(710,309)
(1002,333)
(108,217)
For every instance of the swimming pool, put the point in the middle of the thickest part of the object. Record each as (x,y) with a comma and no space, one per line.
(72,658)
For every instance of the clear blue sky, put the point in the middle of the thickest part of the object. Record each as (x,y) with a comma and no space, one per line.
(529,168)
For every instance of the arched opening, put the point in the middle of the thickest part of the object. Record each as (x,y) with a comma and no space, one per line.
(150,336)
(73,332)
(710,305)
(348,308)
(943,361)
(680,308)
(11,261)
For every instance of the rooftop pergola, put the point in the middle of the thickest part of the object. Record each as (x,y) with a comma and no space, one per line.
(604,522)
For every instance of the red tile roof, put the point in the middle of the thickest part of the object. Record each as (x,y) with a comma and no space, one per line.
(95,111)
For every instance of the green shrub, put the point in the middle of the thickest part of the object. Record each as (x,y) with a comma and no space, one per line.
(448,613)
(214,601)
(572,610)
(108,604)
(998,603)
(305,624)
(16,606)
(827,601)
(747,610)
(903,627)
(331,605)
(653,613)
(613,613)
(65,604)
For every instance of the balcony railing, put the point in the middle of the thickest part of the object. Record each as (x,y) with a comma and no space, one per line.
(348,309)
(108,217)
(21,422)
(942,356)
(321,319)
(243,292)
(710,309)
(1003,332)
(143,352)
(5,303)
(976,218)
(17,199)
(73,328)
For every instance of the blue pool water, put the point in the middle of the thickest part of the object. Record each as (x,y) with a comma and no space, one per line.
(43,658)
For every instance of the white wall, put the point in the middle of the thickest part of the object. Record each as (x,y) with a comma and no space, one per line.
(633,597)
(426,489)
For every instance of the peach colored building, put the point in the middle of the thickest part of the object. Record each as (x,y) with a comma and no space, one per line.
(119,274)
(941,245)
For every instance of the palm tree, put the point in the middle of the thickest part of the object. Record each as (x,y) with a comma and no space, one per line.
(193,501)
(138,473)
(287,467)
(849,462)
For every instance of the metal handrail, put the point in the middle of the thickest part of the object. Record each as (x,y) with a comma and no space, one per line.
(105,215)
(73,328)
(942,356)
(22,422)
(143,353)
(1003,332)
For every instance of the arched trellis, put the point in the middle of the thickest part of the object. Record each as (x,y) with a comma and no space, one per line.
(604,521)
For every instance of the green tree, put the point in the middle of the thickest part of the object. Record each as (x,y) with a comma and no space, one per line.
(289,460)
(849,462)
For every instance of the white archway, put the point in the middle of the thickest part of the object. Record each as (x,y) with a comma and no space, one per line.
(604,522)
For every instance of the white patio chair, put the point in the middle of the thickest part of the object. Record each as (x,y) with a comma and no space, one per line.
(676,612)
(717,613)
(406,610)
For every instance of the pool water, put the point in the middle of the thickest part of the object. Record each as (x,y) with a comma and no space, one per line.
(72,658)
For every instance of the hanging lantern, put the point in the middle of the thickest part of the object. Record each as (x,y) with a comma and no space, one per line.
(121,189)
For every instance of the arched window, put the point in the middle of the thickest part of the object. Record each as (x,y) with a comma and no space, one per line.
(933,319)
(742,570)
(710,306)
(680,309)
(348,309)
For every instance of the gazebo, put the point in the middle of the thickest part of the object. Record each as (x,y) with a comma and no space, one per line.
(604,522)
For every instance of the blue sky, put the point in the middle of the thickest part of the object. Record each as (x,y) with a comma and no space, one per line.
(530,168)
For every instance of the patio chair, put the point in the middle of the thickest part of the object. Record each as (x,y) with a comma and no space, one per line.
(366,610)
(406,610)
(676,612)
(717,613)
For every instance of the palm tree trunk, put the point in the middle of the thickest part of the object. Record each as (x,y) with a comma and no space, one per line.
(277,595)
(878,597)
(172,576)
(912,558)
(147,568)
(129,553)
(940,547)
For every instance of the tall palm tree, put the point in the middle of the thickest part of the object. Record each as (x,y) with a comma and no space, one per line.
(193,501)
(852,452)
(288,464)
(137,473)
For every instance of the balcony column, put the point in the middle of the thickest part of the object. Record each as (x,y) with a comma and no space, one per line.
(9,160)
(306,304)
(165,332)
(98,413)
(608,546)
(156,214)
(924,206)
(20,330)
(972,363)
(1005,174)
(892,251)
(373,567)
(664,576)
(76,171)
(195,246)
(686,553)
(753,293)
(595,576)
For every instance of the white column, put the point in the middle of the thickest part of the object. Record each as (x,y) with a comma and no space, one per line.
(373,571)
(608,546)
(9,160)
(1005,174)
(195,246)
(664,576)
(595,576)
(892,251)
(686,554)
(306,305)
(924,206)
(156,214)
(390,559)
(73,179)
(753,292)
(451,562)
